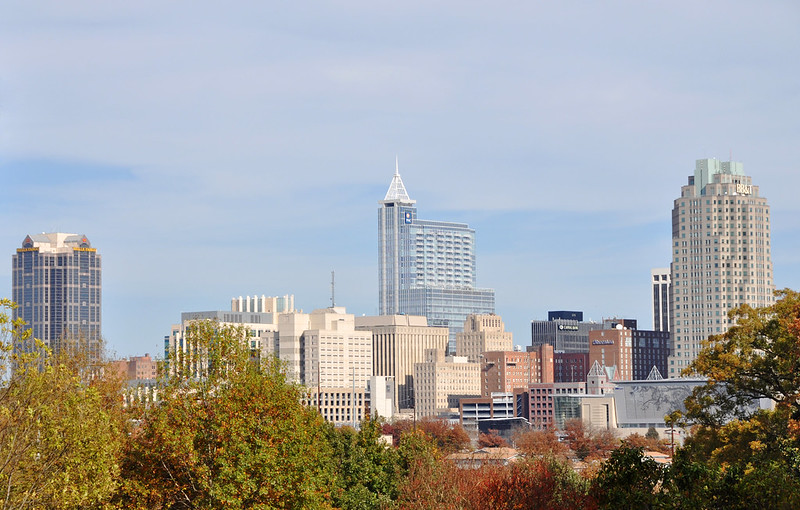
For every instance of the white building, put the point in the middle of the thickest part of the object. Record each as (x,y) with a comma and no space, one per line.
(661,287)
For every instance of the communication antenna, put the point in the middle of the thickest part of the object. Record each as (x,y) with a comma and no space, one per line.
(333,289)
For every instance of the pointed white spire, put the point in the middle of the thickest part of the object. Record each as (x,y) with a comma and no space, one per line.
(397,191)
(654,374)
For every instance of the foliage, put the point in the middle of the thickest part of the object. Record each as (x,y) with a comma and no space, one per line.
(533,483)
(236,436)
(449,438)
(648,443)
(587,442)
(60,425)
(758,357)
(740,456)
(368,471)
(491,440)
(537,443)
(628,479)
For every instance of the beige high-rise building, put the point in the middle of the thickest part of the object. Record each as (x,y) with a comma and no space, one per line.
(483,333)
(442,381)
(398,343)
(720,255)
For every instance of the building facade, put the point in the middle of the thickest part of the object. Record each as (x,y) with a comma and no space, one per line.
(398,343)
(660,298)
(504,371)
(613,349)
(426,267)
(650,349)
(721,255)
(57,285)
(565,331)
(483,333)
(442,381)
(570,366)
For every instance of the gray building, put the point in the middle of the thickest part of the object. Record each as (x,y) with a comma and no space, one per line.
(56,283)
(721,255)
(567,335)
(426,267)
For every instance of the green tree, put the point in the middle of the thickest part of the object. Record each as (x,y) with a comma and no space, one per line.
(629,479)
(368,470)
(60,424)
(229,432)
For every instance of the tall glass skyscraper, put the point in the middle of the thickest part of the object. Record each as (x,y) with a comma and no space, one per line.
(720,255)
(426,267)
(56,284)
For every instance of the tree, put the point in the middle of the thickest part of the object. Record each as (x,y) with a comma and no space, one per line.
(538,443)
(628,479)
(491,440)
(60,424)
(741,456)
(449,438)
(758,357)
(368,470)
(532,483)
(229,432)
(589,442)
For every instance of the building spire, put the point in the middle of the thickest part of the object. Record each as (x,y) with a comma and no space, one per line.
(397,191)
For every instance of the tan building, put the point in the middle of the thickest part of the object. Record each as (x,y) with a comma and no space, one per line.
(483,333)
(442,381)
(613,349)
(398,343)
(332,359)
(503,371)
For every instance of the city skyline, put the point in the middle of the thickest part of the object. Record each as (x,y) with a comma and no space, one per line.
(212,154)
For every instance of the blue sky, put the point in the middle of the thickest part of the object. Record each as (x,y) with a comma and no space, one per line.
(213,150)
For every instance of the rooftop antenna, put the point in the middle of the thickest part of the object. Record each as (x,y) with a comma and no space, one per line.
(333,289)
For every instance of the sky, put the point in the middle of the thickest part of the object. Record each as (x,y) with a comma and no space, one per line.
(212,150)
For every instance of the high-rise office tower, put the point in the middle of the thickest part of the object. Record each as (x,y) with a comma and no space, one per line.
(659,298)
(720,255)
(426,267)
(56,284)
